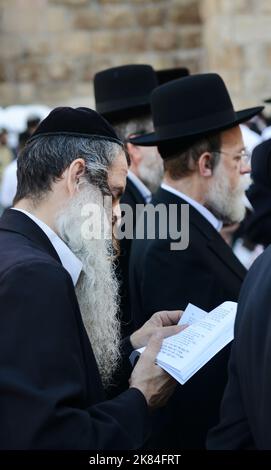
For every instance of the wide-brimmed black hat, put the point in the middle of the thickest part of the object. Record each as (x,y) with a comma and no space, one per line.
(190,108)
(77,122)
(167,75)
(124,92)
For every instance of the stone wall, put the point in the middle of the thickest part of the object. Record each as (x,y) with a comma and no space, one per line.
(237,42)
(51,49)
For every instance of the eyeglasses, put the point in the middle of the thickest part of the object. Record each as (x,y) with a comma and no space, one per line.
(244,155)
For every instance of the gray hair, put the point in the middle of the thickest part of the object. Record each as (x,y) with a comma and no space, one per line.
(44,159)
(135,126)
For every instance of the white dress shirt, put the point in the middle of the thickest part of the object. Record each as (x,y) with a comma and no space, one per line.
(216,223)
(68,259)
(144,191)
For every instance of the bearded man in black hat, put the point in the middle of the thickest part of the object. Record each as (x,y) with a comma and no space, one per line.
(122,96)
(198,136)
(59,327)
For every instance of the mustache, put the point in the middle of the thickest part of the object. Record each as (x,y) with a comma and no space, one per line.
(244,184)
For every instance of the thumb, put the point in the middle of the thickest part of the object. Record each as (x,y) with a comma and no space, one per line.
(153,347)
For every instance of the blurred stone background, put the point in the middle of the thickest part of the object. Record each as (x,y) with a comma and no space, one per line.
(51,49)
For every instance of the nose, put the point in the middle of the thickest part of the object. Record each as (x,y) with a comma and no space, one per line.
(245,168)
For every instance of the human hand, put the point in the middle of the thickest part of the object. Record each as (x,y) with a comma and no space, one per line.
(164,323)
(156,385)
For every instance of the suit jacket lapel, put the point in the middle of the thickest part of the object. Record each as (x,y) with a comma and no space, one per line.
(225,253)
(214,240)
(18,222)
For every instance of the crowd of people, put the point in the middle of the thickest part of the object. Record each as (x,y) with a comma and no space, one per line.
(75,305)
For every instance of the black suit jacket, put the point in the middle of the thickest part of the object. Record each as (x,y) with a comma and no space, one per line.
(245,421)
(132,197)
(51,393)
(206,274)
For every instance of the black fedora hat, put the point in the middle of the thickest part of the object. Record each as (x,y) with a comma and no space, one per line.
(190,108)
(124,92)
(166,75)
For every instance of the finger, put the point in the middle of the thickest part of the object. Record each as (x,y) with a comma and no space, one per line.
(170,317)
(172,330)
(153,347)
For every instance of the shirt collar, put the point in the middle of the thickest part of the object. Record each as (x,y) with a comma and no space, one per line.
(144,191)
(216,223)
(68,259)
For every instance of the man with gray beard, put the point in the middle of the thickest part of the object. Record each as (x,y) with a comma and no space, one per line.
(206,168)
(59,327)
(122,96)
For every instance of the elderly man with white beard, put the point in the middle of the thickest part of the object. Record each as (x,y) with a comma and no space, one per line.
(59,327)
(207,171)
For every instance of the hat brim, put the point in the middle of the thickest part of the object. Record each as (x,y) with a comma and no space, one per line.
(152,139)
(122,106)
(129,112)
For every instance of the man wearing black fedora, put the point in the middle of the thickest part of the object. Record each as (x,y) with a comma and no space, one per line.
(122,96)
(198,136)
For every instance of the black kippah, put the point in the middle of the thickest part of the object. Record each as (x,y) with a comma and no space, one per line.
(78,122)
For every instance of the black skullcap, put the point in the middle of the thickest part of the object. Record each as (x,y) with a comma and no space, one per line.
(78,122)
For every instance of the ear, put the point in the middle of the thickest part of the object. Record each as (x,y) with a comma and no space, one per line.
(135,155)
(205,165)
(74,172)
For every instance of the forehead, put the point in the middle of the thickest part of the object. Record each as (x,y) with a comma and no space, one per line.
(232,138)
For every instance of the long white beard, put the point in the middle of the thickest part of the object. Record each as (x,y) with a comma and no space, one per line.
(224,202)
(151,171)
(97,288)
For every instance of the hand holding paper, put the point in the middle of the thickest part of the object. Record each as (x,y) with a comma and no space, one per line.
(183,354)
(164,322)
